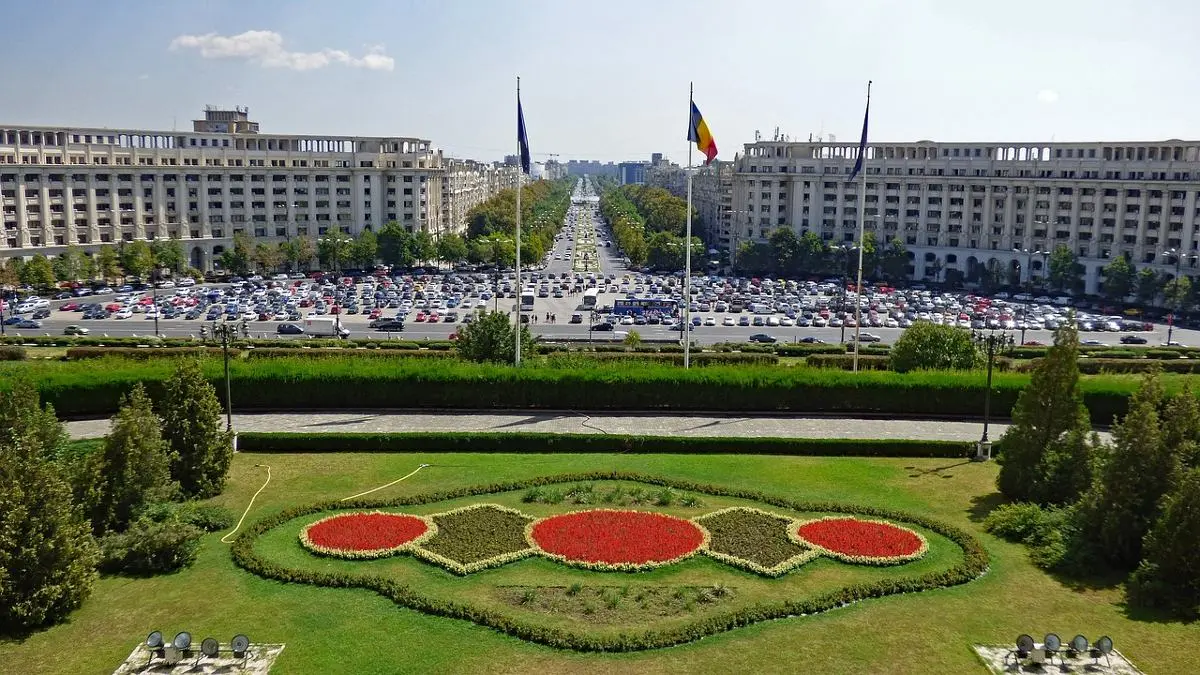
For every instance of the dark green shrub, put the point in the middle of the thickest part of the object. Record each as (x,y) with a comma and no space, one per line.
(81,353)
(12,353)
(150,547)
(282,353)
(846,361)
(929,346)
(207,517)
(1168,577)
(807,349)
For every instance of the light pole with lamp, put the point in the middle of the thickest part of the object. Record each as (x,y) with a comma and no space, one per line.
(991,343)
(843,252)
(1029,290)
(226,331)
(1179,256)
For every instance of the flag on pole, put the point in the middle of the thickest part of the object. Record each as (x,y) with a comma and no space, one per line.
(862,144)
(699,134)
(522,139)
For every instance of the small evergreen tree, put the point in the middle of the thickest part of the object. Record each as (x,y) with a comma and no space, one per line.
(491,338)
(200,449)
(1169,575)
(1181,427)
(1050,434)
(134,469)
(1139,469)
(22,417)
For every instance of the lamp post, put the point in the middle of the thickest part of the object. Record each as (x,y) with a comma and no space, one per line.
(226,331)
(844,251)
(1029,291)
(1179,256)
(991,342)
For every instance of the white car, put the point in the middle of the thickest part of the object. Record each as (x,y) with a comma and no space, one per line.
(123,313)
(728,321)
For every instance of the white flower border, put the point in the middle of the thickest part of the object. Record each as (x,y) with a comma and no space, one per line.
(461,569)
(348,554)
(777,570)
(880,561)
(615,567)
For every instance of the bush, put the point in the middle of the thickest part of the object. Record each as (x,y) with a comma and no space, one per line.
(9,353)
(281,353)
(697,358)
(492,337)
(1041,529)
(207,517)
(149,547)
(1168,577)
(846,361)
(808,350)
(929,346)
(81,353)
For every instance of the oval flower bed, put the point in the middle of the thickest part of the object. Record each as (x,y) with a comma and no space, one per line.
(366,535)
(865,542)
(609,540)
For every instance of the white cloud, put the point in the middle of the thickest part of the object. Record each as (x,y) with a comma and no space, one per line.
(265,48)
(1047,96)
(143,76)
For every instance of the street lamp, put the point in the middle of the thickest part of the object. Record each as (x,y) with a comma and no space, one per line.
(992,343)
(1179,256)
(226,331)
(1029,291)
(844,251)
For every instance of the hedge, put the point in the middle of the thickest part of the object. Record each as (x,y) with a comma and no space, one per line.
(327,352)
(808,349)
(92,389)
(974,563)
(11,353)
(698,358)
(542,443)
(846,361)
(81,353)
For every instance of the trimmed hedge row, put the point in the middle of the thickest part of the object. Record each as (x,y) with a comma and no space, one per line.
(974,564)
(325,352)
(542,443)
(143,353)
(846,361)
(698,358)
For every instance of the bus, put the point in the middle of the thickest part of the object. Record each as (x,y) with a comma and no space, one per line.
(527,297)
(636,306)
(590,296)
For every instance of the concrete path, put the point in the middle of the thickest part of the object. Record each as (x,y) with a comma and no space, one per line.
(568,422)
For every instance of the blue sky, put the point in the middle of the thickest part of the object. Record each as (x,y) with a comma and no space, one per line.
(608,80)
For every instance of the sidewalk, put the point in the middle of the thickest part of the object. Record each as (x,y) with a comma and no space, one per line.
(580,423)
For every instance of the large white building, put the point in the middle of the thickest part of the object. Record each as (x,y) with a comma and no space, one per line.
(961,205)
(89,187)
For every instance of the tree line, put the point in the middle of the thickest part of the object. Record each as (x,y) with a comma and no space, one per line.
(649,225)
(785,254)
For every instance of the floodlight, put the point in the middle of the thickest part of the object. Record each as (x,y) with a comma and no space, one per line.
(1025,644)
(1105,645)
(1079,644)
(154,640)
(239,644)
(1052,643)
(210,647)
(183,640)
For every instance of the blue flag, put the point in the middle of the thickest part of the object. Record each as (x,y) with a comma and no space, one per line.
(862,144)
(522,139)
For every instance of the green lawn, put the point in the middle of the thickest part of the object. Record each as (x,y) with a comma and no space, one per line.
(334,630)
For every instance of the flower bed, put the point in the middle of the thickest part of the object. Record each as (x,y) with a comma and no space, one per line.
(754,540)
(610,540)
(476,537)
(864,542)
(366,535)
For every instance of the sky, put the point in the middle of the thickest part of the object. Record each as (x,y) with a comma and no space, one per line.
(609,80)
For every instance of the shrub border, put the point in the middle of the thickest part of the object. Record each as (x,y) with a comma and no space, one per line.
(615,567)
(369,554)
(975,563)
(880,561)
(777,570)
(463,569)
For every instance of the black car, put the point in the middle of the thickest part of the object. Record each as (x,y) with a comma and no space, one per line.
(289,329)
(41,314)
(604,326)
(388,326)
(762,337)
(810,340)
(1133,340)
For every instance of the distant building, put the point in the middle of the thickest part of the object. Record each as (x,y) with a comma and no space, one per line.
(591,167)
(656,158)
(632,173)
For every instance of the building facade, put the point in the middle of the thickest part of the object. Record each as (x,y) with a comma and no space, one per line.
(631,173)
(712,197)
(962,206)
(89,187)
(468,183)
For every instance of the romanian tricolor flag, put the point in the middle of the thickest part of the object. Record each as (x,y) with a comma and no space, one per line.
(699,134)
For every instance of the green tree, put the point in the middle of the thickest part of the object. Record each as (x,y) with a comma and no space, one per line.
(334,249)
(200,450)
(395,245)
(168,255)
(37,272)
(785,252)
(134,468)
(1064,269)
(136,258)
(365,250)
(894,261)
(1118,279)
(87,267)
(813,254)
(68,265)
(267,257)
(753,258)
(633,339)
(1047,451)
(929,346)
(236,260)
(297,253)
(481,250)
(47,554)
(491,337)
(451,248)
(424,248)
(1149,284)
(1177,294)
(10,271)
(108,263)
(1138,470)
(1168,577)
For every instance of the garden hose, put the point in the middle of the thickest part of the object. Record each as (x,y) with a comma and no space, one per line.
(225,539)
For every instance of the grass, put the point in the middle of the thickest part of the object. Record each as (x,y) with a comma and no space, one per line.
(336,630)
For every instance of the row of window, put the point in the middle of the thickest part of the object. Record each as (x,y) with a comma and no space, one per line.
(195,178)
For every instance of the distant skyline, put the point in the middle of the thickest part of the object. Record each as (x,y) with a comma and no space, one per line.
(609,81)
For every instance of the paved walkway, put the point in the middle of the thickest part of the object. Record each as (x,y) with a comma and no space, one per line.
(568,422)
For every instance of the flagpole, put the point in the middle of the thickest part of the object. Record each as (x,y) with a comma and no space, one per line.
(520,288)
(862,216)
(687,248)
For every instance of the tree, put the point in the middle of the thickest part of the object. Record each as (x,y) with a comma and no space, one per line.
(88,268)
(267,257)
(1181,426)
(1168,577)
(1064,268)
(136,258)
(1177,293)
(134,468)
(297,252)
(68,265)
(1118,279)
(108,263)
(928,346)
(10,271)
(200,450)
(633,339)
(168,254)
(894,261)
(491,337)
(37,272)
(785,251)
(1046,455)
(395,244)
(424,248)
(1148,286)
(1139,469)
(236,260)
(813,254)
(47,554)
(334,249)
(451,248)
(365,249)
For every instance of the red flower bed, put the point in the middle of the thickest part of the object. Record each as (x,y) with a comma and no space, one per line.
(616,540)
(364,535)
(865,541)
